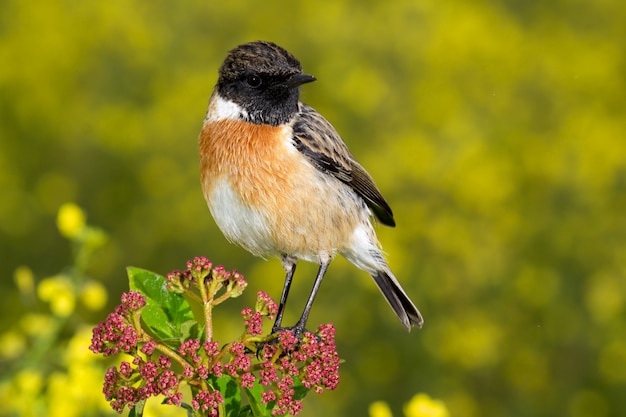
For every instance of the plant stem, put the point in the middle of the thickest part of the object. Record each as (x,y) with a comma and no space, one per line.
(163,348)
(172,354)
(222,298)
(208,320)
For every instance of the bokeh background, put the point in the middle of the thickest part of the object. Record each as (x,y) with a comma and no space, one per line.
(495,129)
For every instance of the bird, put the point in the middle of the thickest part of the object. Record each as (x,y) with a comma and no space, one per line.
(280,182)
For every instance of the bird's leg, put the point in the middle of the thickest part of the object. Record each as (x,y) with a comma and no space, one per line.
(289,264)
(298,329)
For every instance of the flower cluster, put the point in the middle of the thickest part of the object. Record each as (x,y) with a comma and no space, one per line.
(275,371)
(117,333)
(156,378)
(311,362)
(200,275)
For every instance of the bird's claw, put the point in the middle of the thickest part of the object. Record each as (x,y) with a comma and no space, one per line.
(274,338)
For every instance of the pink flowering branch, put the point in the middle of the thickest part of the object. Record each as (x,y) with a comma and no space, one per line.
(256,375)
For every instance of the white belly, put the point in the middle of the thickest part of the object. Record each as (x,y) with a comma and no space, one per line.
(314,220)
(240,224)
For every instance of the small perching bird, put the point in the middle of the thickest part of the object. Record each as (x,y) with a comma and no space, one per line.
(279,181)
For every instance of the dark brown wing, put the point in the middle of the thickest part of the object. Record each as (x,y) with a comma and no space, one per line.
(318,140)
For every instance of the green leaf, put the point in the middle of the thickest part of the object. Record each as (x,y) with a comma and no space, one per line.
(255,402)
(188,408)
(167,315)
(299,390)
(246,411)
(190,330)
(137,410)
(229,389)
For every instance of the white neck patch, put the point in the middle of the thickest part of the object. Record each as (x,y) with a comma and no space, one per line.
(221,109)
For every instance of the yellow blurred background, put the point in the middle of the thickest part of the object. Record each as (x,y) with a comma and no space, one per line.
(495,129)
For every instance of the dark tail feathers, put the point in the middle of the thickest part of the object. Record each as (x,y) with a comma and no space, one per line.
(404,308)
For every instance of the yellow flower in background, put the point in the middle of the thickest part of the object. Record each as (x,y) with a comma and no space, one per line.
(422,405)
(59,292)
(78,388)
(24,279)
(12,344)
(76,392)
(94,296)
(155,407)
(380,409)
(21,395)
(29,381)
(34,324)
(71,220)
(77,351)
(28,384)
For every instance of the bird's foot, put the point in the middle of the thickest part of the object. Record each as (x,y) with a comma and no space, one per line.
(286,339)
(297,331)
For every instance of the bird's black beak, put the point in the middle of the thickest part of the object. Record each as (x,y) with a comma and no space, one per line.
(297,80)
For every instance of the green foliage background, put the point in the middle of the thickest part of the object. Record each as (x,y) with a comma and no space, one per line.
(495,129)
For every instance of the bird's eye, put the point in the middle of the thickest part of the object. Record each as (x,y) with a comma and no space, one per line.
(253,80)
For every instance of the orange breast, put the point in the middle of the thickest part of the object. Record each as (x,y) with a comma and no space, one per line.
(254,158)
(297,209)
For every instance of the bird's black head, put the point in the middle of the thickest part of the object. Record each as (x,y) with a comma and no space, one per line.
(264,80)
